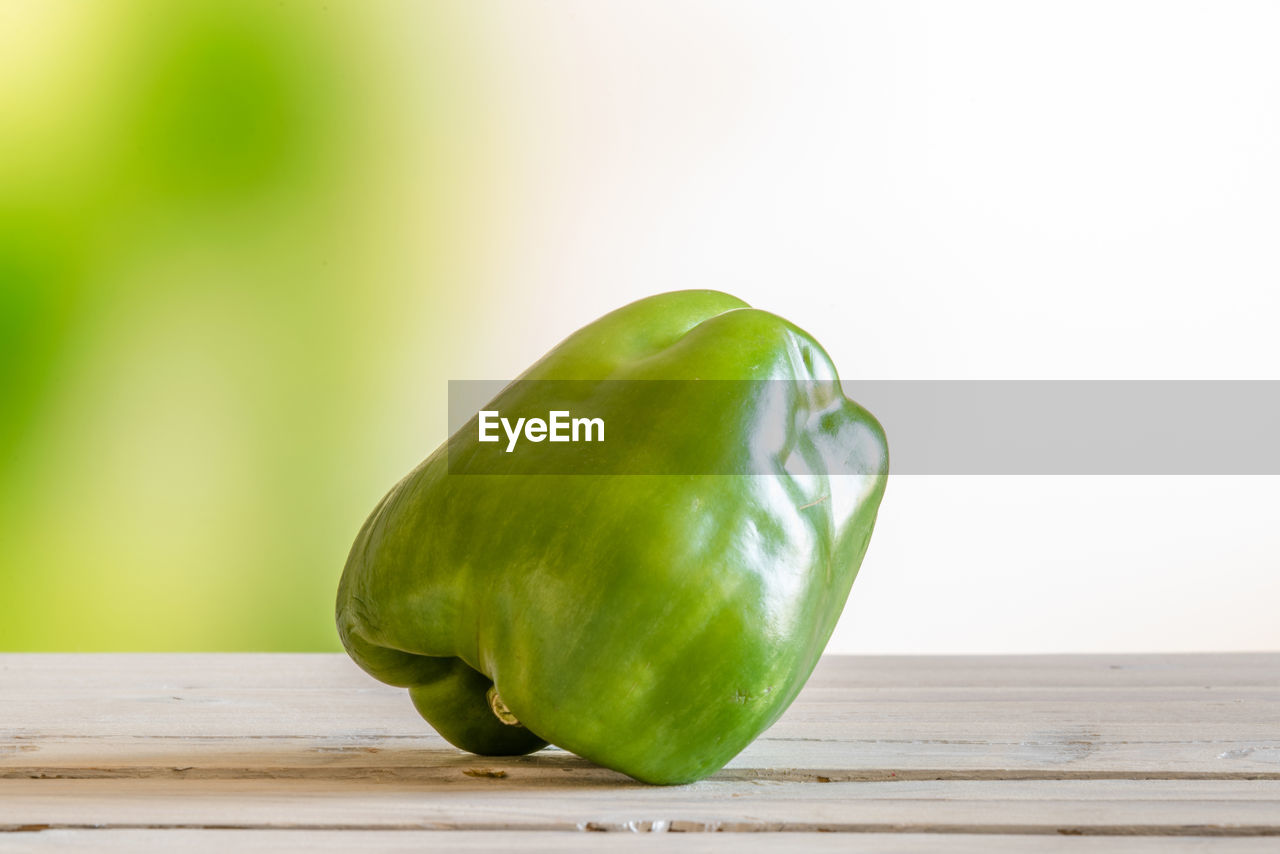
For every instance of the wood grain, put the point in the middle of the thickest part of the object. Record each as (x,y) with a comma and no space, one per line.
(416,842)
(127,751)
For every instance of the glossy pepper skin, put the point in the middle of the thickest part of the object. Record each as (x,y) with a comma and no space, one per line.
(654,624)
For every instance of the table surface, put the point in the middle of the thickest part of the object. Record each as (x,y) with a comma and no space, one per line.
(195,752)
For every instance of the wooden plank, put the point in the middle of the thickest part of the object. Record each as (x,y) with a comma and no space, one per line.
(1097,807)
(924,752)
(317,716)
(505,842)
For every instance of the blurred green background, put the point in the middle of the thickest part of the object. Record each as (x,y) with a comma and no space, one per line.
(223,226)
(245,245)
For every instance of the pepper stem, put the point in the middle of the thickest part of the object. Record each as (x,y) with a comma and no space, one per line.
(499,708)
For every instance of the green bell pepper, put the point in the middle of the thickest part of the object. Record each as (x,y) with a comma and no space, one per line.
(654,623)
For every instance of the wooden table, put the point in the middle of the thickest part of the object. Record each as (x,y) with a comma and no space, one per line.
(964,754)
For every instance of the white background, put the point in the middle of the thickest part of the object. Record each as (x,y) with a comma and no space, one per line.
(962,190)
